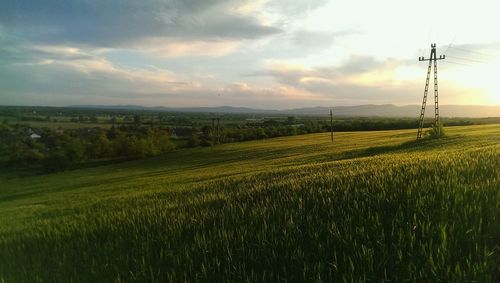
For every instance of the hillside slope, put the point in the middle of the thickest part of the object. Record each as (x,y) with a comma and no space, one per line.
(370,206)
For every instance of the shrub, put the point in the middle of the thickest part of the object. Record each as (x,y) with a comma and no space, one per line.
(437,132)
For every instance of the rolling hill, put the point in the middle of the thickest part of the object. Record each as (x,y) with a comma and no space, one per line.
(385,110)
(371,206)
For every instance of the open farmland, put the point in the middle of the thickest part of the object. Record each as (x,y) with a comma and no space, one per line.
(372,206)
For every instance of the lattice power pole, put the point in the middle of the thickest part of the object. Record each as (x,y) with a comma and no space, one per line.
(432,59)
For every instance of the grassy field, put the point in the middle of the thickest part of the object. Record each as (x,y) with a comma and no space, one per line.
(372,206)
(63,125)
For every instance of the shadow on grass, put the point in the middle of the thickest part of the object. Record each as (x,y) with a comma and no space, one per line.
(409,146)
(14,171)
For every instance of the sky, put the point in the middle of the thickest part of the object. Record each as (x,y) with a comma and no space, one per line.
(268,54)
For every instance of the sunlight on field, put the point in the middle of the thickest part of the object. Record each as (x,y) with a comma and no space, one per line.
(368,205)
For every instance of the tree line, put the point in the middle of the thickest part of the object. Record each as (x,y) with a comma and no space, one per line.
(54,149)
(209,135)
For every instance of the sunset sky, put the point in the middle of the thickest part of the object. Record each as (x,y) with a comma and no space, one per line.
(261,54)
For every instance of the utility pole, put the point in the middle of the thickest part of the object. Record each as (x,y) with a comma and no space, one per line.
(212,130)
(218,131)
(331,123)
(432,59)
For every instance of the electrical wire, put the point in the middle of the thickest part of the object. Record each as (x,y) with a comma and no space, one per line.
(467,59)
(471,51)
(457,63)
(451,43)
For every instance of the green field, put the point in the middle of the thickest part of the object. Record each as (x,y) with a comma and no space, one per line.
(372,206)
(63,125)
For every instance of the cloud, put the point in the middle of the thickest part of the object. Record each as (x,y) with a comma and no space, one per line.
(313,39)
(22,52)
(294,8)
(63,75)
(167,49)
(77,74)
(361,79)
(355,67)
(123,23)
(195,52)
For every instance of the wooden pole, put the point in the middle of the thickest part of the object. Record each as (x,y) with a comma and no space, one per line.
(218,130)
(331,124)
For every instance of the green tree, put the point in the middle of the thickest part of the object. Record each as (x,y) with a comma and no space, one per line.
(436,132)
(193,140)
(64,151)
(291,120)
(137,119)
(99,146)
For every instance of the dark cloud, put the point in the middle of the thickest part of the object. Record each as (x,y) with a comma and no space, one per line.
(112,23)
(21,52)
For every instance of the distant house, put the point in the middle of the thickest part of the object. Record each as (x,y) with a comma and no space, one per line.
(31,134)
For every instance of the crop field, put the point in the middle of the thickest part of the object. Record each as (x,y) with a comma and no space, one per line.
(62,125)
(371,206)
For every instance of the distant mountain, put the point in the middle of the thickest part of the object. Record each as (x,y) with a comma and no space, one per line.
(118,107)
(385,110)
(389,110)
(219,109)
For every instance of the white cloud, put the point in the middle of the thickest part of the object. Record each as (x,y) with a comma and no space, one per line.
(299,52)
(198,48)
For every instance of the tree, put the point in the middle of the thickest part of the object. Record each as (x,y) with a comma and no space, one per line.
(193,140)
(437,132)
(161,118)
(25,154)
(137,119)
(99,146)
(63,151)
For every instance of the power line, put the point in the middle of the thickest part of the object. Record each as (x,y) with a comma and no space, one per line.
(457,63)
(467,59)
(447,49)
(451,43)
(471,51)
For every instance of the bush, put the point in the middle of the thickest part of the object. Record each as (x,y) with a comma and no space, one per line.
(193,140)
(437,132)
